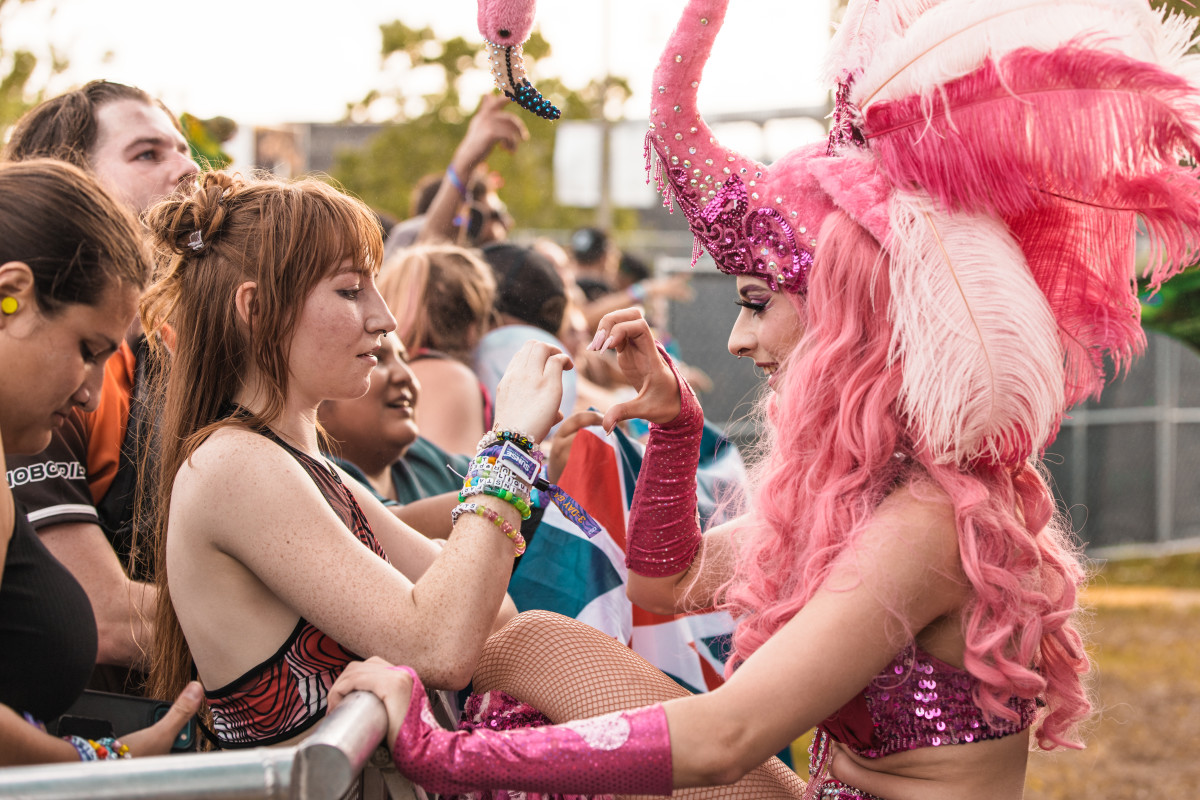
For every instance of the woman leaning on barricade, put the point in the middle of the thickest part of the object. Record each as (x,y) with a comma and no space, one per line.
(71,268)
(275,566)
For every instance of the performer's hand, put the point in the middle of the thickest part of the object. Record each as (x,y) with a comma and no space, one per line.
(627,332)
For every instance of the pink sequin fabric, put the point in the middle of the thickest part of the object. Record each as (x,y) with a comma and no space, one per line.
(755,219)
(500,711)
(921,701)
(627,752)
(917,701)
(742,239)
(664,533)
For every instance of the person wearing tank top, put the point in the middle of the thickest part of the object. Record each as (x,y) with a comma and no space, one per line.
(280,568)
(927,291)
(71,267)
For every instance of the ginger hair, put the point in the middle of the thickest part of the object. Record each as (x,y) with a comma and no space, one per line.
(284,236)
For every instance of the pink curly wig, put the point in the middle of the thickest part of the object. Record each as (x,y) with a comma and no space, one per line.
(831,459)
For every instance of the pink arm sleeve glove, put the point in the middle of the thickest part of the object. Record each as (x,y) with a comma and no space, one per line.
(626,752)
(664,532)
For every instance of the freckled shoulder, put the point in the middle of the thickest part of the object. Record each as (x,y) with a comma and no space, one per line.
(235,460)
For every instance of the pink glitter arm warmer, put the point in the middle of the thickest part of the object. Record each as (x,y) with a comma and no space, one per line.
(626,752)
(664,532)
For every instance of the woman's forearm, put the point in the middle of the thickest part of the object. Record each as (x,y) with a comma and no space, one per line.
(22,743)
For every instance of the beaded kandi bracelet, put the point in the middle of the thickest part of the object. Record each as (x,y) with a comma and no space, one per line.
(521,440)
(514,500)
(506,462)
(497,520)
(106,749)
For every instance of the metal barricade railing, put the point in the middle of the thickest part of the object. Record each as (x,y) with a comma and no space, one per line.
(325,766)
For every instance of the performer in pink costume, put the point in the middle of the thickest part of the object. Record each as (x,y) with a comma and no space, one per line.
(928,291)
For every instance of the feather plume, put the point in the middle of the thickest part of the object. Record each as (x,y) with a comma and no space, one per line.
(1174,43)
(1072,122)
(982,366)
(864,24)
(1082,260)
(852,43)
(956,37)
(1168,204)
(1082,256)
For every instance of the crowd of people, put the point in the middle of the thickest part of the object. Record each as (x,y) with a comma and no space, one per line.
(98,480)
(262,452)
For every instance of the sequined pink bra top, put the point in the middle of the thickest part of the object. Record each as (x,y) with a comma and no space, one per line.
(920,701)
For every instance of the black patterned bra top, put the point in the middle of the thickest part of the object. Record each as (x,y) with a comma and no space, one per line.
(288,693)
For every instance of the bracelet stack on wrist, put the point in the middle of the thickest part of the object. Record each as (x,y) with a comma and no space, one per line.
(506,467)
(511,467)
(106,749)
(523,441)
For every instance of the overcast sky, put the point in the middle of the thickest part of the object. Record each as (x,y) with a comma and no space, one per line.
(270,61)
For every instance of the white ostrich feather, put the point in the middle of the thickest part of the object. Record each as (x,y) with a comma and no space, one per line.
(864,23)
(978,344)
(955,37)
(853,41)
(1173,47)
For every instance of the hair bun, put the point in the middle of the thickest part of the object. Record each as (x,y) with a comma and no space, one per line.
(188,224)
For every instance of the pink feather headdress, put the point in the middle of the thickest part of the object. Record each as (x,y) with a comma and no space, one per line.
(1004,154)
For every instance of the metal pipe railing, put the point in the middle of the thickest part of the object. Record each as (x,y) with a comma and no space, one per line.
(322,767)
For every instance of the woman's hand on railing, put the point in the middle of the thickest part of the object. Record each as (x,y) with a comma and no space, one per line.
(158,738)
(391,685)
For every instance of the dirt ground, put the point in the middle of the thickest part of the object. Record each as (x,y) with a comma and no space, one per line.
(1143,743)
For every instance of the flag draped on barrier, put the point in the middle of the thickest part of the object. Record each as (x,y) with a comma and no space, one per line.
(566,572)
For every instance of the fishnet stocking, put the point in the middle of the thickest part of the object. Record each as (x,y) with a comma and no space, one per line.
(569,670)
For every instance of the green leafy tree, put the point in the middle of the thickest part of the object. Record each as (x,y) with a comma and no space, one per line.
(429,125)
(1175,308)
(205,137)
(17,94)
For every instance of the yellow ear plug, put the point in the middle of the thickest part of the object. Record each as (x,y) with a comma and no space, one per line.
(9,305)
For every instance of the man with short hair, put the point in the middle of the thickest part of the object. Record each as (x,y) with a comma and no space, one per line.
(80,492)
(127,139)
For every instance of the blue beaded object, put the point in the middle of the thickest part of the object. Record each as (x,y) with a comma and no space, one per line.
(83,747)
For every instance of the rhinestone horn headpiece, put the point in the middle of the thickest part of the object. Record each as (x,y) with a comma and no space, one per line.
(1003,153)
(752,218)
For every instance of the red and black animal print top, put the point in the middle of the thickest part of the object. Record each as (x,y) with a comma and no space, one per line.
(287,694)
